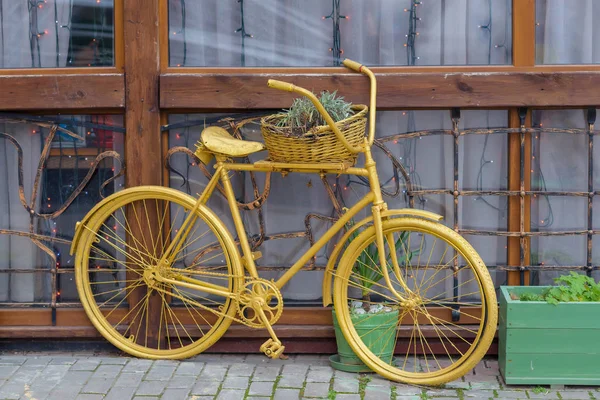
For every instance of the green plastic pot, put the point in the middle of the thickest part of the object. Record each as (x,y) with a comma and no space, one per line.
(377,332)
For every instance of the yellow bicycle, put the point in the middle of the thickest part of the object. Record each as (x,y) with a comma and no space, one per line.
(161,276)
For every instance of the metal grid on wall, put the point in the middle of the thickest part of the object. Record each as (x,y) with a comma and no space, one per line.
(77,167)
(400,174)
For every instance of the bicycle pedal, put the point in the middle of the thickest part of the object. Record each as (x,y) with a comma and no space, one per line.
(272,349)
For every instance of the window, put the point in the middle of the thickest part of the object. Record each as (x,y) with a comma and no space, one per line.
(321,33)
(57,33)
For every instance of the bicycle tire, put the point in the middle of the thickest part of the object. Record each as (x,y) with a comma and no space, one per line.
(397,367)
(117,246)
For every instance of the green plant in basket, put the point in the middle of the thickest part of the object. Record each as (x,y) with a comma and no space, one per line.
(302,116)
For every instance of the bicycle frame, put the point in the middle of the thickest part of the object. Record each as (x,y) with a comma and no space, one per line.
(374,197)
(221,175)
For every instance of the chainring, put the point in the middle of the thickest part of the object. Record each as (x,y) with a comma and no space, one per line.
(264,292)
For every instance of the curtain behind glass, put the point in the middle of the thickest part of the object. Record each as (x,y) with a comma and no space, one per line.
(320,33)
(567,32)
(56,33)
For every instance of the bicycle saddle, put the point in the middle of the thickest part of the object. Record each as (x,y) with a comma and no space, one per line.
(218,140)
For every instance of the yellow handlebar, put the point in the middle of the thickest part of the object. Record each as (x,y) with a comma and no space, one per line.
(288,87)
(353,65)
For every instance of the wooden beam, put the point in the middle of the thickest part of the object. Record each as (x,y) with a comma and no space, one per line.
(62,92)
(143,149)
(523,29)
(396,90)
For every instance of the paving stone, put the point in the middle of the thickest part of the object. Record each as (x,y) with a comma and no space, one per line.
(377,392)
(151,388)
(458,384)
(113,360)
(6,371)
(160,373)
(478,394)
(145,398)
(65,392)
(26,376)
(406,390)
(206,387)
(286,394)
(12,390)
(187,368)
(546,394)
(12,360)
(213,373)
(98,385)
(85,364)
(319,374)
(261,389)
(231,394)
(485,385)
(241,369)
(130,379)
(235,382)
(344,384)
(575,394)
(291,381)
(43,360)
(107,371)
(295,369)
(176,394)
(346,396)
(266,373)
(136,365)
(512,394)
(77,377)
(441,392)
(316,389)
(181,382)
(121,393)
(62,360)
(89,396)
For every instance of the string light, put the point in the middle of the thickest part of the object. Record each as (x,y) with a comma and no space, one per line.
(242,31)
(335,17)
(411,37)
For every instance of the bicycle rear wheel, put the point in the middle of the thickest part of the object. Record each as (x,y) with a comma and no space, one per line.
(449,319)
(117,253)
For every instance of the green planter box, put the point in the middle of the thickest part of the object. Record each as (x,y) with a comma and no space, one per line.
(545,344)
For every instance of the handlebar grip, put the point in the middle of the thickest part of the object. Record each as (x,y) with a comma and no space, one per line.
(288,87)
(353,65)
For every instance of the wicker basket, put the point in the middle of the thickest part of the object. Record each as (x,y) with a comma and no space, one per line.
(318,145)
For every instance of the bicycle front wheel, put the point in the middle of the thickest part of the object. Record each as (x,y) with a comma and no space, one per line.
(116,262)
(440,302)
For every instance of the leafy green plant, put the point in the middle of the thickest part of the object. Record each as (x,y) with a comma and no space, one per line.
(367,268)
(539,390)
(303,115)
(572,287)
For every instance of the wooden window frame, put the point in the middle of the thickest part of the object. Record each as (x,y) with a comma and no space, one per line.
(146,89)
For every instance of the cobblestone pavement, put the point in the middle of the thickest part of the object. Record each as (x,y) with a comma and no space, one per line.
(81,376)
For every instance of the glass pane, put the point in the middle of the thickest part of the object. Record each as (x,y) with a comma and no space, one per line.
(298,198)
(64,173)
(320,33)
(56,33)
(560,163)
(567,32)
